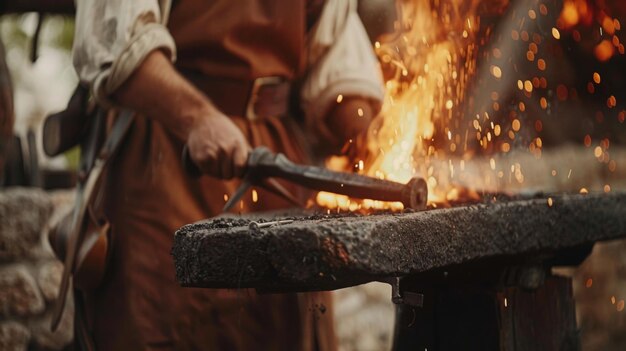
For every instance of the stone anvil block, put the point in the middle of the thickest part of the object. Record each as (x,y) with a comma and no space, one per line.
(325,252)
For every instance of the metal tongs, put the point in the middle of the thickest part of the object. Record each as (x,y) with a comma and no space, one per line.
(263,166)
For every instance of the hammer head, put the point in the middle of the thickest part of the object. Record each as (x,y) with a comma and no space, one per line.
(415,194)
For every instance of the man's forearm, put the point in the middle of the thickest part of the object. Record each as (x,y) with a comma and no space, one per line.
(158,91)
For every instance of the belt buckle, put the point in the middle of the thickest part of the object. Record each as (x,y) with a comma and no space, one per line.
(256,87)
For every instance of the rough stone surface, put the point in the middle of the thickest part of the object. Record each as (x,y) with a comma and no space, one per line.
(24,213)
(330,253)
(19,295)
(13,336)
(49,278)
(29,272)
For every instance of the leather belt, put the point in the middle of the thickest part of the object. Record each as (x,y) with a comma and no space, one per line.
(256,100)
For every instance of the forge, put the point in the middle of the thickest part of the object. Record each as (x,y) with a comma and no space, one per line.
(453,271)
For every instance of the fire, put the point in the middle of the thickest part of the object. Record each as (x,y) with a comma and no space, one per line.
(428,64)
(428,127)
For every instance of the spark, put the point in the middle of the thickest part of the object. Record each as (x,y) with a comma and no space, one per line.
(516,125)
(611,101)
(596,77)
(541,64)
(496,71)
(528,86)
(597,152)
(255,196)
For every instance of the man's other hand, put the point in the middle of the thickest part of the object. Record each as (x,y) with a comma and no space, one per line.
(349,121)
(217,146)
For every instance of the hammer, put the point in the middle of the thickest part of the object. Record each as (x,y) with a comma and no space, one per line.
(262,165)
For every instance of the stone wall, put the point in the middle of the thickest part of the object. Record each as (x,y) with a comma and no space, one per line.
(364,317)
(29,272)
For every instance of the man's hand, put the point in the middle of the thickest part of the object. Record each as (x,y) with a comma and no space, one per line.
(157,90)
(218,147)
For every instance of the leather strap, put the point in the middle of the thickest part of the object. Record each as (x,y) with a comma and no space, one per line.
(254,99)
(84,195)
(82,335)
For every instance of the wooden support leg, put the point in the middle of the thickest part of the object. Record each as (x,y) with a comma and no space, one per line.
(543,319)
(467,317)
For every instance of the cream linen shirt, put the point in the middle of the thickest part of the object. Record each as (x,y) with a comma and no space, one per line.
(113,37)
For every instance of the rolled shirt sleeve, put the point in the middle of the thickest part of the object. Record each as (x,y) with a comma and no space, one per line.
(341,61)
(113,37)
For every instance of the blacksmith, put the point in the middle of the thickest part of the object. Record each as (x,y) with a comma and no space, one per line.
(218,77)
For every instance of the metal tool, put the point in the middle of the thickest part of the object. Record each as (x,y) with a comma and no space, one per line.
(270,185)
(263,165)
(259,225)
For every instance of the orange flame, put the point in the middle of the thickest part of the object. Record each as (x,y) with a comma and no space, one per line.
(430,60)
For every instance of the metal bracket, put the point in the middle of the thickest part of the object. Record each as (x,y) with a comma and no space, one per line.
(404,297)
(529,276)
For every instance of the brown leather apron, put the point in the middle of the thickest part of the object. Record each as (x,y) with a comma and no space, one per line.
(149,196)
